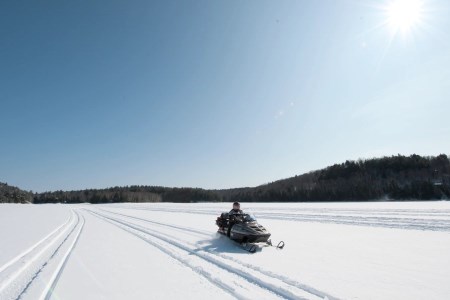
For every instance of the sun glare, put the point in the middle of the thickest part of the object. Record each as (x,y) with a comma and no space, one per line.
(404,14)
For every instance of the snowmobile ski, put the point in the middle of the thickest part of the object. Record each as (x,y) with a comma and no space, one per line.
(280,244)
(249,247)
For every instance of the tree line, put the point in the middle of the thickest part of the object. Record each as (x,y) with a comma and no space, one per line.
(388,178)
(397,177)
(128,194)
(11,194)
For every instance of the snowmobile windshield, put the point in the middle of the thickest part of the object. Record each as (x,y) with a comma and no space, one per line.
(249,218)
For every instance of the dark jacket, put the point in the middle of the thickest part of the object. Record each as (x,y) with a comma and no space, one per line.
(235,212)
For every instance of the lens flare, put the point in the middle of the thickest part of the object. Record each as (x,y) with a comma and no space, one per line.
(403,15)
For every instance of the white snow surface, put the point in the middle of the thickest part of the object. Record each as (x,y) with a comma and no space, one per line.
(378,250)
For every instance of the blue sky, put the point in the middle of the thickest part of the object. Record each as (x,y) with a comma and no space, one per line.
(214,94)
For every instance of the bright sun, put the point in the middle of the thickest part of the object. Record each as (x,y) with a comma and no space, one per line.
(403,15)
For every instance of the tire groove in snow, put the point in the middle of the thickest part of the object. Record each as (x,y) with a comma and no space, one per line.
(25,263)
(384,222)
(17,277)
(318,211)
(282,278)
(57,273)
(45,264)
(250,278)
(200,232)
(216,281)
(42,241)
(322,217)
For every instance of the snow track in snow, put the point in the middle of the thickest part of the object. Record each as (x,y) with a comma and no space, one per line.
(15,259)
(47,293)
(37,267)
(207,234)
(172,251)
(247,278)
(411,219)
(395,223)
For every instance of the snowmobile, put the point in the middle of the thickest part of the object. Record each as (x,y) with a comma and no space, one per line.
(245,230)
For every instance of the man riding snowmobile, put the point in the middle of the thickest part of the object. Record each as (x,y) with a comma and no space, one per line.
(236,209)
(244,229)
(235,213)
(228,219)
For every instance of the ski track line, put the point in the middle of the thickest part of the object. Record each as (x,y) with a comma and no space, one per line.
(42,267)
(15,259)
(48,291)
(320,212)
(12,277)
(431,225)
(187,229)
(282,278)
(255,282)
(208,276)
(416,212)
(29,278)
(443,225)
(354,217)
(281,292)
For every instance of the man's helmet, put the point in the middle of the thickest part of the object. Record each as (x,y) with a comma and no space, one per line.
(236,206)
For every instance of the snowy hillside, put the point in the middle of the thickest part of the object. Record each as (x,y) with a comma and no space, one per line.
(172,251)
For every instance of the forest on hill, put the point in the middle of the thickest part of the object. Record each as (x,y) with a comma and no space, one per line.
(128,194)
(12,194)
(388,178)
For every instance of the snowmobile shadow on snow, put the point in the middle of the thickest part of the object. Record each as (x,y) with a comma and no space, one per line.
(246,231)
(219,243)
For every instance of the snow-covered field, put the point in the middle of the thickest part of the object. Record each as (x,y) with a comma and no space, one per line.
(172,251)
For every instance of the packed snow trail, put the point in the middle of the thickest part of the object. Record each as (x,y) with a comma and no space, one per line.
(271,284)
(32,248)
(430,220)
(36,270)
(47,293)
(137,251)
(207,234)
